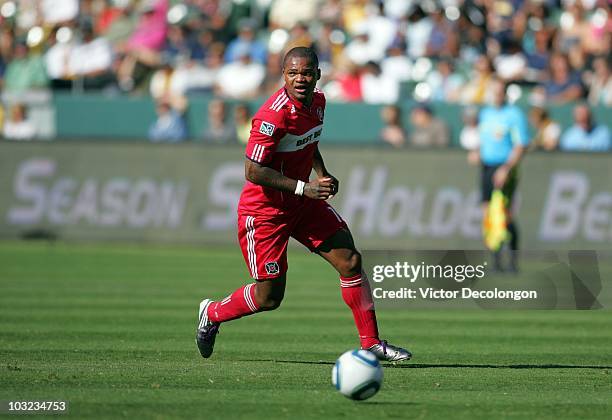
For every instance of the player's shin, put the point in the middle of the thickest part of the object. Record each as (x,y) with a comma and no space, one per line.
(240,303)
(356,294)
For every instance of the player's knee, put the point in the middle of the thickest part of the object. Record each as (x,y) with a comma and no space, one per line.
(269,295)
(351,265)
(270,303)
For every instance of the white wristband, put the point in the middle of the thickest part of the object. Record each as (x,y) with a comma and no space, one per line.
(299,188)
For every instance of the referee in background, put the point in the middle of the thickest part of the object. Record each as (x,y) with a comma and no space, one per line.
(503,140)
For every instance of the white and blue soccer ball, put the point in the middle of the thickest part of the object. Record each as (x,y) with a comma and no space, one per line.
(357,374)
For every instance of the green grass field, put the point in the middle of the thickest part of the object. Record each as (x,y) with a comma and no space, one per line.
(111,329)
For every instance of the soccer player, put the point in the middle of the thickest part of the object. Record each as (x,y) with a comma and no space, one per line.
(279,201)
(503,140)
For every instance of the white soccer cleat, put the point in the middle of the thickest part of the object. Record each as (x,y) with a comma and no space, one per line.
(206,331)
(389,353)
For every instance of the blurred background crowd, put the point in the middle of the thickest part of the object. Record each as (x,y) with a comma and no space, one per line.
(550,52)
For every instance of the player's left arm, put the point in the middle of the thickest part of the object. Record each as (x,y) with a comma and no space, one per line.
(520,139)
(319,166)
(501,174)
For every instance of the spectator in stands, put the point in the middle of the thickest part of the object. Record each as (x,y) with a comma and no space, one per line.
(353,13)
(218,130)
(472,34)
(331,12)
(469,137)
(418,31)
(575,29)
(26,71)
(145,44)
(538,58)
(578,60)
(478,88)
(59,11)
(547,131)
(586,135)
(427,130)
(246,40)
(242,122)
(193,76)
(600,87)
(91,60)
(597,38)
(169,126)
(360,50)
(57,61)
(299,36)
(180,46)
(119,29)
(150,33)
(397,9)
(110,11)
(397,65)
(325,46)
(379,29)
(511,64)
(273,79)
(572,28)
(240,79)
(162,84)
(7,40)
(17,126)
(443,40)
(346,85)
(205,42)
(392,33)
(167,85)
(445,84)
(564,85)
(83,58)
(287,13)
(181,67)
(501,23)
(377,88)
(393,132)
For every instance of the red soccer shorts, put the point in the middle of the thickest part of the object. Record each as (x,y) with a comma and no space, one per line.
(264,239)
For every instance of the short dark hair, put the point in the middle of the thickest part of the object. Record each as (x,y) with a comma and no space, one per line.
(302,52)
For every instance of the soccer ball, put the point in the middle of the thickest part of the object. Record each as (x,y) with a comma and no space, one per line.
(357,374)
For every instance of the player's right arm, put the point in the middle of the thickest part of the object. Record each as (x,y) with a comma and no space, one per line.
(271,178)
(266,131)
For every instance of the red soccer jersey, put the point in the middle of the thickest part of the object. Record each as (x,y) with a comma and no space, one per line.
(284,135)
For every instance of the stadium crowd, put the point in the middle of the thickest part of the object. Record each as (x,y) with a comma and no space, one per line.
(551,51)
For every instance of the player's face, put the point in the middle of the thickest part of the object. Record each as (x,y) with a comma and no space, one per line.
(301,77)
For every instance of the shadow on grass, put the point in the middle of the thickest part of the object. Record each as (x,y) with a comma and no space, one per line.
(491,366)
(444,365)
(387,403)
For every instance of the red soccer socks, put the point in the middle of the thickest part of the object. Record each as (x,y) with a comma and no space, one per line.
(238,304)
(356,294)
